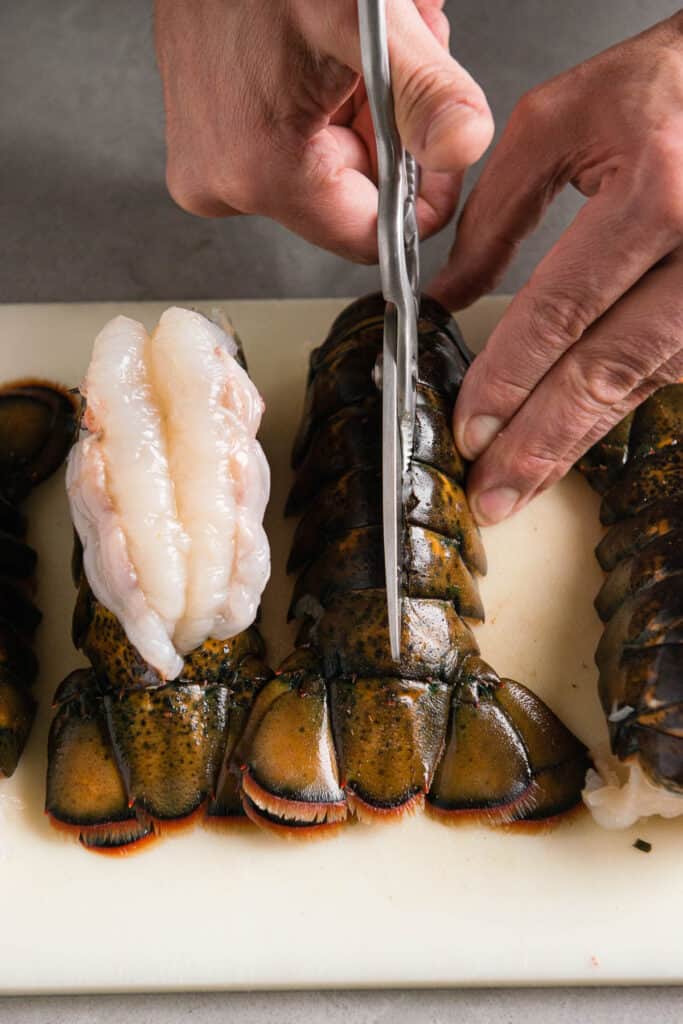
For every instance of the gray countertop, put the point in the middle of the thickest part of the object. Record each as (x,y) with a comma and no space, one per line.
(83,209)
(504,1006)
(84,215)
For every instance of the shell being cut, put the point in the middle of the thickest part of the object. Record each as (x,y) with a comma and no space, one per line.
(168,486)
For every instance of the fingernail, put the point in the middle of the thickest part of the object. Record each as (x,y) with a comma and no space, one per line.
(478,434)
(494,505)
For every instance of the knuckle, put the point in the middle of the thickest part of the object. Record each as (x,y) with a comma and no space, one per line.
(557,316)
(600,384)
(427,86)
(183,192)
(665,160)
(204,194)
(488,385)
(243,191)
(674,369)
(534,108)
(668,372)
(534,464)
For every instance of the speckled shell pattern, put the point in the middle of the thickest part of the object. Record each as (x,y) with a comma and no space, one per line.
(638,469)
(131,754)
(372,737)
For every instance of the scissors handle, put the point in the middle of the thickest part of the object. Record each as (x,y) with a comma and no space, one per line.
(410,231)
(397,170)
(397,233)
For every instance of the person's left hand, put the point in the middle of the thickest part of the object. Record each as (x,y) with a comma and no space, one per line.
(599,326)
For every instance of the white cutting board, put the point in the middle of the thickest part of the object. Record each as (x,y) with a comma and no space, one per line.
(417,903)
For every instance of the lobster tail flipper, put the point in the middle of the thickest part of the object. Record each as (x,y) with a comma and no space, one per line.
(507,758)
(287,758)
(85,791)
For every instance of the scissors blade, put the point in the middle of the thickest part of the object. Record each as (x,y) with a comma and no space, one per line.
(392,479)
(406,371)
(397,238)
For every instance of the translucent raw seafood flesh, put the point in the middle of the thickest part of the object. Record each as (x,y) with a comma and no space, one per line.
(168,487)
(618,794)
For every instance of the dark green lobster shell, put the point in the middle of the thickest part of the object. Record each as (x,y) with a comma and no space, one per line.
(342,728)
(638,469)
(129,754)
(37,425)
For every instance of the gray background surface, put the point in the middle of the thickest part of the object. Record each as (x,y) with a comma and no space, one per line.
(83,209)
(84,215)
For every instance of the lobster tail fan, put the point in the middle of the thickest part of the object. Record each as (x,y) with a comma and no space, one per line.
(390,734)
(287,758)
(507,756)
(343,728)
(85,791)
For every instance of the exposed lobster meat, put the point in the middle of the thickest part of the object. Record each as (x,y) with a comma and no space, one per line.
(638,468)
(341,728)
(139,740)
(37,424)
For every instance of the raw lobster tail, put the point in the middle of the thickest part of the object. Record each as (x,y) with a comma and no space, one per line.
(638,468)
(341,728)
(37,424)
(172,540)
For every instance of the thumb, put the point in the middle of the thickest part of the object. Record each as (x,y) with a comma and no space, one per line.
(442,114)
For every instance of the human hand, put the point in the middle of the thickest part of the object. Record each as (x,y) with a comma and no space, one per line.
(599,325)
(266,113)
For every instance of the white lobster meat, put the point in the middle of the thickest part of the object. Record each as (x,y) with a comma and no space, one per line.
(168,486)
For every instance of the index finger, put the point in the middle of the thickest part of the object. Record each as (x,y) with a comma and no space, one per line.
(618,235)
(518,182)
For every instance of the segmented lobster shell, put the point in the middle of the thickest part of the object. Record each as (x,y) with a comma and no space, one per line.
(37,424)
(638,468)
(129,753)
(342,727)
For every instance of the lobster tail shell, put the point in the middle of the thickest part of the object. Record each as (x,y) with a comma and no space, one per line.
(640,655)
(343,729)
(85,791)
(131,754)
(156,753)
(37,425)
(507,757)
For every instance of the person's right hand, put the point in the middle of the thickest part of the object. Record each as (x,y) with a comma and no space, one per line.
(599,324)
(266,113)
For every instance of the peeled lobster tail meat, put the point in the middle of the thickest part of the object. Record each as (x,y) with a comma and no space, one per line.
(638,469)
(342,728)
(167,487)
(37,424)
